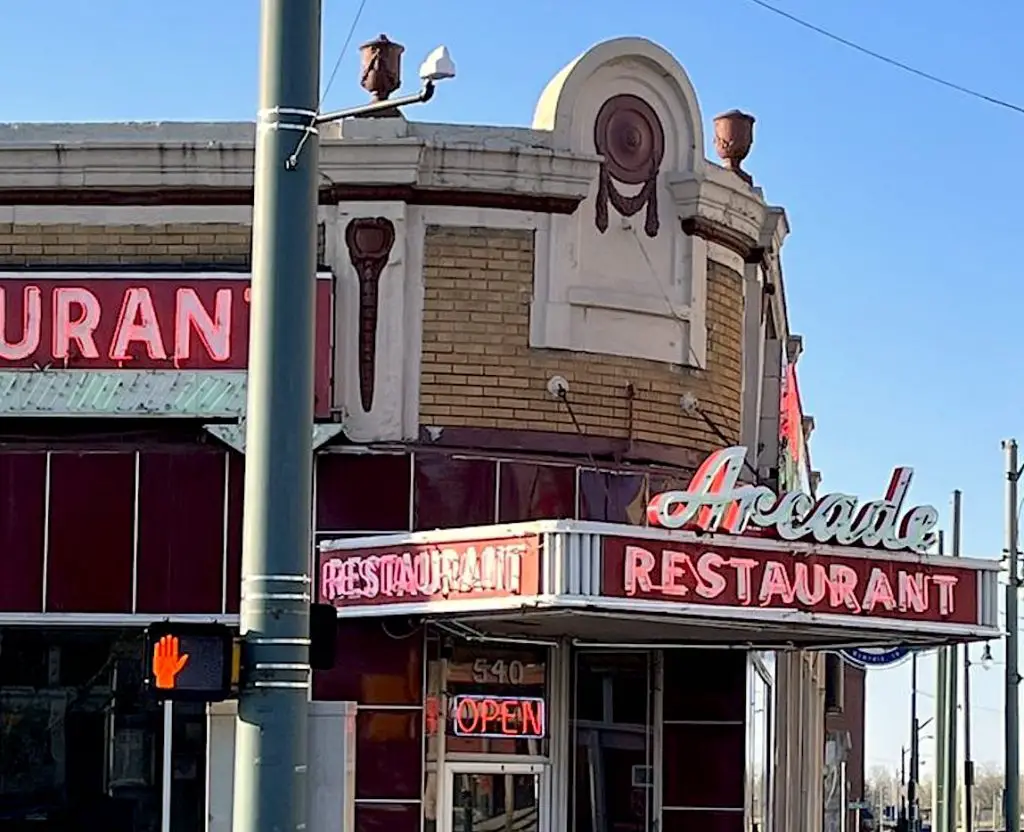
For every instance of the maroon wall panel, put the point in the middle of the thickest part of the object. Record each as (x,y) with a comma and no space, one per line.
(362,493)
(92,515)
(536,492)
(706,821)
(372,667)
(454,492)
(22,529)
(387,817)
(181,532)
(389,754)
(236,496)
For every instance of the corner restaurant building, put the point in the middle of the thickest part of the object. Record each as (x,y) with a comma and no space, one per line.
(547,644)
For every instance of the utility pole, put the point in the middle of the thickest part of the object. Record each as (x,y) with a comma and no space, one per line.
(968,761)
(939,795)
(271,749)
(951,774)
(915,749)
(1011,767)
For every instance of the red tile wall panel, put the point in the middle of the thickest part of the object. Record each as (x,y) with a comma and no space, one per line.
(22,531)
(181,531)
(236,496)
(91,532)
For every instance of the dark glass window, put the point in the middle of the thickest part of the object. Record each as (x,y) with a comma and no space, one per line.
(453,492)
(362,493)
(531,491)
(613,498)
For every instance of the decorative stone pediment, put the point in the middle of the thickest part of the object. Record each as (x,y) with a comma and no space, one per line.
(627,272)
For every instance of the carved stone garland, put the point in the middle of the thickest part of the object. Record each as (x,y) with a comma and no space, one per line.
(629,135)
(369,241)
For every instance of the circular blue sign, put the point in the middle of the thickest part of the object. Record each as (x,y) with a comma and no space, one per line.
(876,656)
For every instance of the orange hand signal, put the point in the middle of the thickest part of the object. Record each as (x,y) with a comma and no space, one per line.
(167,662)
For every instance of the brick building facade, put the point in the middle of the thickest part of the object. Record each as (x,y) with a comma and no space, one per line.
(515,325)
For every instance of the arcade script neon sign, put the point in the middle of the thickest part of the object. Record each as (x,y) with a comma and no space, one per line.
(716,501)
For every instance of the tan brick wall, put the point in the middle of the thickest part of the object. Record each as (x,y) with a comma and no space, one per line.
(86,245)
(479,371)
(174,244)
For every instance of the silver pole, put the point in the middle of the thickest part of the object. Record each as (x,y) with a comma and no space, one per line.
(166,778)
(271,746)
(951,773)
(1011,793)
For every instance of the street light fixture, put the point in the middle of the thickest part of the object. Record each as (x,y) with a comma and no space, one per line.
(438,66)
(986,657)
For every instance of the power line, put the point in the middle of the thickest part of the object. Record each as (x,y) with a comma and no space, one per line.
(344,49)
(935,79)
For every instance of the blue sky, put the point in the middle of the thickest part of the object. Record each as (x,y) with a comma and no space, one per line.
(901,270)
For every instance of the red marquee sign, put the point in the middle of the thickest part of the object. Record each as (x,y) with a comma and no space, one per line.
(173,321)
(715,501)
(502,717)
(692,572)
(472,569)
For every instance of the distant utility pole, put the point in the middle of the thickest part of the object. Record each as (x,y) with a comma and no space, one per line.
(271,746)
(1011,792)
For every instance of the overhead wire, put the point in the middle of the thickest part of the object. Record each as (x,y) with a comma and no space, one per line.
(920,73)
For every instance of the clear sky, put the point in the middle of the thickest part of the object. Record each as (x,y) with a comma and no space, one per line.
(901,269)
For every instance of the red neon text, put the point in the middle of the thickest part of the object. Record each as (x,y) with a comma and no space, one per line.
(711,577)
(498,716)
(467,570)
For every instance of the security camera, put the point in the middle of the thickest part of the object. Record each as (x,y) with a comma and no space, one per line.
(438,66)
(688,402)
(558,387)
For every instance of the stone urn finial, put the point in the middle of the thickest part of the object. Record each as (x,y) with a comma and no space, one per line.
(381,72)
(734,135)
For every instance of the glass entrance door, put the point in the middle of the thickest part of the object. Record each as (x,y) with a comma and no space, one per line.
(494,797)
(613,729)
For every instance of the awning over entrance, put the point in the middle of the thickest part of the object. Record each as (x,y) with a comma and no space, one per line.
(614,584)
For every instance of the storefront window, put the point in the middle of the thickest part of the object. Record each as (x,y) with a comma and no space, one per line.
(453,491)
(529,491)
(612,497)
(80,742)
(487,706)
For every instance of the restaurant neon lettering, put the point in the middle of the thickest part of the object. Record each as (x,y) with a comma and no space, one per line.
(716,501)
(76,313)
(821,587)
(475,715)
(441,572)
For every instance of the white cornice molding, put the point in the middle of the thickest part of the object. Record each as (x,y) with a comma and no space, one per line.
(414,162)
(717,196)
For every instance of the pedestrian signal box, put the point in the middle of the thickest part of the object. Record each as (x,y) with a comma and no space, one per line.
(190,662)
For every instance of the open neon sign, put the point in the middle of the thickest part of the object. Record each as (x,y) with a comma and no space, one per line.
(521,717)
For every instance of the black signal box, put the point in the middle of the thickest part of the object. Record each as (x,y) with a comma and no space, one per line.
(190,662)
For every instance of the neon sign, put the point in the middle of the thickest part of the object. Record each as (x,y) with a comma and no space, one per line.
(502,568)
(697,574)
(142,322)
(715,501)
(499,717)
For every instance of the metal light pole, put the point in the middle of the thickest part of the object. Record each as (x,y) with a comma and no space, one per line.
(953,699)
(915,749)
(1011,792)
(968,761)
(271,747)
